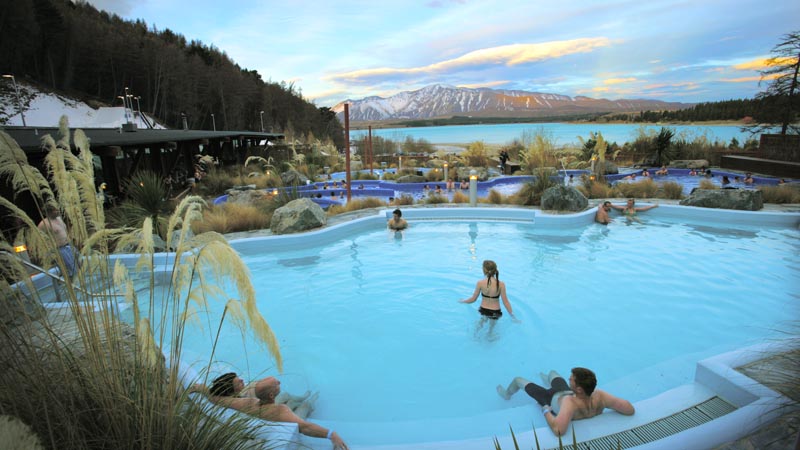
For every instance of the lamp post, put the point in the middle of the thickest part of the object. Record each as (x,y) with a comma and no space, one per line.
(19,103)
(473,187)
(261,117)
(213,122)
(445,172)
(139,108)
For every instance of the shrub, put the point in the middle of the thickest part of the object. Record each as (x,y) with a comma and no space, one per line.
(596,189)
(217,181)
(780,194)
(434,175)
(389,176)
(672,190)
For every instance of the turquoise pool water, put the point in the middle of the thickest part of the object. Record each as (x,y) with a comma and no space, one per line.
(372,321)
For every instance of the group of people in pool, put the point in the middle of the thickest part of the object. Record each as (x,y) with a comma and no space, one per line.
(629,211)
(561,402)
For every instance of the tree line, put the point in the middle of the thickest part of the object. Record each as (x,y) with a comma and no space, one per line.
(73,48)
(764,110)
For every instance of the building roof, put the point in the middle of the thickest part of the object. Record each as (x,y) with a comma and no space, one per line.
(30,138)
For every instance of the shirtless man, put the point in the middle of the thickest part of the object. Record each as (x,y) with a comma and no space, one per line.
(54,226)
(562,403)
(397,223)
(264,405)
(601,216)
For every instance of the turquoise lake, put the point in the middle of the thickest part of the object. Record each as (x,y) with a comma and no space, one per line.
(562,133)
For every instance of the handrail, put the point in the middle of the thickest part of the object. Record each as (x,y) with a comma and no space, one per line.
(56,277)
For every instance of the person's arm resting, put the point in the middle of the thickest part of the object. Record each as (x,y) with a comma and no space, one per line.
(619,405)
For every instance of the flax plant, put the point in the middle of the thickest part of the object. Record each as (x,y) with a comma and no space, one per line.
(88,376)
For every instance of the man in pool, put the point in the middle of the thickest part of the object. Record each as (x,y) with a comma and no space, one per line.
(562,403)
(397,223)
(601,216)
(265,404)
(630,209)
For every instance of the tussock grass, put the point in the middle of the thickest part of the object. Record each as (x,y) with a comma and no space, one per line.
(403,200)
(706,184)
(356,204)
(435,199)
(780,194)
(495,198)
(106,384)
(232,217)
(597,189)
(646,188)
(671,190)
(460,197)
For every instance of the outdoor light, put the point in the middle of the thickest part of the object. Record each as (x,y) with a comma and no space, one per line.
(444,178)
(20,248)
(275,192)
(261,117)
(473,187)
(19,103)
(591,177)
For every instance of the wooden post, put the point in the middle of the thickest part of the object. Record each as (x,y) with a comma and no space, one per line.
(369,147)
(347,146)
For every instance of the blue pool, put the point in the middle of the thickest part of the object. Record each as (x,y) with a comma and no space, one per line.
(371,319)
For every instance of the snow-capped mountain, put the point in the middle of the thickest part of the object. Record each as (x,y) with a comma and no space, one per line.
(444,101)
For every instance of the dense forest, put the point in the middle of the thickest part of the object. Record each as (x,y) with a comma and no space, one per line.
(765,109)
(73,48)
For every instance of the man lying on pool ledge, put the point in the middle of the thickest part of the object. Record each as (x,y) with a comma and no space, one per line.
(562,403)
(265,406)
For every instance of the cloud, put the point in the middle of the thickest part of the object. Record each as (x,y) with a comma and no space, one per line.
(756,64)
(506,55)
(619,80)
(486,84)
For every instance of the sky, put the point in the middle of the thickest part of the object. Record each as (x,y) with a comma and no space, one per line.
(334,50)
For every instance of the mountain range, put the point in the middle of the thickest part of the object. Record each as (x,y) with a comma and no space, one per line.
(442,101)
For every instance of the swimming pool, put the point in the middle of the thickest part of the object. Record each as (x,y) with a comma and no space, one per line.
(373,323)
(690,182)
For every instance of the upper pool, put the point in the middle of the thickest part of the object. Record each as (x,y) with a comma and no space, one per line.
(371,319)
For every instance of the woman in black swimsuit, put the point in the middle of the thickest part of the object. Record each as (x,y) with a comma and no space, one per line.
(491,290)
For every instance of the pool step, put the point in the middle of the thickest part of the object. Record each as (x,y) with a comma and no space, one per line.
(699,414)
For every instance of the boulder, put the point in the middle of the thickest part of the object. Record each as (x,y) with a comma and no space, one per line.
(246,197)
(463,173)
(564,198)
(689,164)
(410,179)
(293,178)
(742,199)
(298,215)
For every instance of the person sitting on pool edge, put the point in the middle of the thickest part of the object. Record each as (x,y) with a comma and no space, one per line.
(265,401)
(397,223)
(491,289)
(562,403)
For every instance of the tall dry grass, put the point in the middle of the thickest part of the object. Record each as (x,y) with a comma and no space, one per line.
(356,204)
(105,384)
(646,188)
(232,217)
(780,194)
(671,190)
(460,197)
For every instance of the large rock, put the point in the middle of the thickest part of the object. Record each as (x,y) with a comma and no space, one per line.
(297,215)
(689,163)
(564,198)
(246,197)
(293,178)
(410,179)
(742,199)
(463,173)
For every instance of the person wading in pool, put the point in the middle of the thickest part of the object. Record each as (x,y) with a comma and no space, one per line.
(397,223)
(601,216)
(630,209)
(562,403)
(491,290)
(265,403)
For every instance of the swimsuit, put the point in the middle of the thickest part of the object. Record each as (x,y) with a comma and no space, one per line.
(493,314)
(552,396)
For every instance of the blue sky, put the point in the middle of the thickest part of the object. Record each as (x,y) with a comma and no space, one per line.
(686,51)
